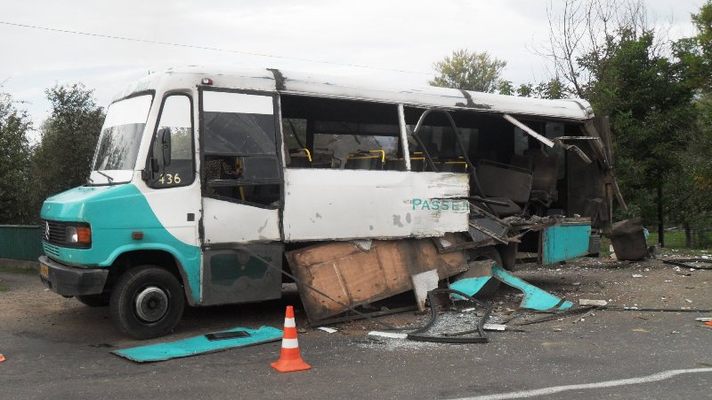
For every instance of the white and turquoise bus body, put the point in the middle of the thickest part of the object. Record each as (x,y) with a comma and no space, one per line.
(195,166)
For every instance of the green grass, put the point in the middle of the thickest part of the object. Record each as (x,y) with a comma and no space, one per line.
(675,240)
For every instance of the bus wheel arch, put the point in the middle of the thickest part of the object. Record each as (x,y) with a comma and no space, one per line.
(135,258)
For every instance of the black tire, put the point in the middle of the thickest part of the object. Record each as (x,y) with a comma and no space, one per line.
(95,300)
(161,300)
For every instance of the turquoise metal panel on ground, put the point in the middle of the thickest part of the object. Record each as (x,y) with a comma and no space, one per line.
(534,297)
(198,345)
(469,286)
(564,242)
(20,242)
(114,212)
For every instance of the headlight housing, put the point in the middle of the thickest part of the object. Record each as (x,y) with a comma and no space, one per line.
(78,235)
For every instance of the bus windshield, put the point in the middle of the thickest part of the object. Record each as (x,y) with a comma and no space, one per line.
(121,134)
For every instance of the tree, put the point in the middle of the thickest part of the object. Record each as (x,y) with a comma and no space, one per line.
(525,90)
(689,202)
(695,53)
(14,163)
(649,103)
(552,89)
(505,87)
(62,159)
(582,34)
(468,70)
(608,54)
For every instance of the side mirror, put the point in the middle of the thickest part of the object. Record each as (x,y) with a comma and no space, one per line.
(165,135)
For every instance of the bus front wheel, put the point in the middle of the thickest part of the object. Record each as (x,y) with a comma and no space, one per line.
(147,302)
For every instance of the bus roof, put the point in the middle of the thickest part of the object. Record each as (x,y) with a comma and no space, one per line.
(300,83)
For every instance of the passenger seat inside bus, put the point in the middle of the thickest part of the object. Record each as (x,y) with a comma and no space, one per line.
(300,158)
(368,160)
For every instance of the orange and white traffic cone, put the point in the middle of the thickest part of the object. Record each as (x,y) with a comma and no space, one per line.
(290,359)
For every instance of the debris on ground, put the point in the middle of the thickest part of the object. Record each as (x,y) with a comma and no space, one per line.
(201,344)
(692,263)
(628,240)
(590,302)
(494,327)
(389,335)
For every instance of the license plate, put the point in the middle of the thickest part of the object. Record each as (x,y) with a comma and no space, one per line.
(44,271)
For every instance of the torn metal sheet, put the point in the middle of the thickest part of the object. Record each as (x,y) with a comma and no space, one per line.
(534,297)
(373,204)
(485,227)
(354,277)
(199,345)
(470,286)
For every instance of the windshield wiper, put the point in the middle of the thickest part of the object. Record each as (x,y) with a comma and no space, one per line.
(108,178)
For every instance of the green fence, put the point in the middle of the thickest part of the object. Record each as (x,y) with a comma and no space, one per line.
(20,242)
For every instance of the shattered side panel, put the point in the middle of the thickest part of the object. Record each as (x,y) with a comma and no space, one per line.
(322,204)
(228,222)
(352,276)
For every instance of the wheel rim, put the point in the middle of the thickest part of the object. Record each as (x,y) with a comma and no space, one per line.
(151,304)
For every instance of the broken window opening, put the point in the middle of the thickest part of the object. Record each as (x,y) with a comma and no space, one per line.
(437,142)
(341,134)
(240,162)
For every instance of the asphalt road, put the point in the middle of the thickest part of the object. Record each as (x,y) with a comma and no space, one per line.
(59,349)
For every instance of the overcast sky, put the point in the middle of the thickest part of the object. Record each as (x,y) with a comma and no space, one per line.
(395,34)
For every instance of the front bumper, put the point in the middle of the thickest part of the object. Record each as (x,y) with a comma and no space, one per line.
(72,281)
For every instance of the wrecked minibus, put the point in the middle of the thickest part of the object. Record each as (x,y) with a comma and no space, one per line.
(206,185)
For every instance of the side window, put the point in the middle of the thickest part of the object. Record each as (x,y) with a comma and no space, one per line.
(341,134)
(239,149)
(439,138)
(171,162)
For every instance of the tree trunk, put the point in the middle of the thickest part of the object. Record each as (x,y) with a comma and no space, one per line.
(688,235)
(661,222)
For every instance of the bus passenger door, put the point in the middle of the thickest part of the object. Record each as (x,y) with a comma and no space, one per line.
(241,196)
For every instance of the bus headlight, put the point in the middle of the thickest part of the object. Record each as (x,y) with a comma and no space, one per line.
(79,235)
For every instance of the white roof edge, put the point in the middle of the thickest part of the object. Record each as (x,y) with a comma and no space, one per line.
(300,83)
